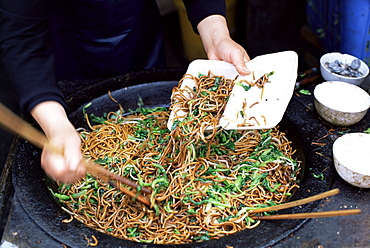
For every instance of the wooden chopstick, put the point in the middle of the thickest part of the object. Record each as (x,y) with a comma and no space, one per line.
(308,215)
(95,169)
(100,172)
(303,215)
(297,202)
(106,176)
(16,125)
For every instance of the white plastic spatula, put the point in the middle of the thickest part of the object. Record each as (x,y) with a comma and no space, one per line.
(263,107)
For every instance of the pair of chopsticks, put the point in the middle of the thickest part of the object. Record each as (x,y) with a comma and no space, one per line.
(13,123)
(303,215)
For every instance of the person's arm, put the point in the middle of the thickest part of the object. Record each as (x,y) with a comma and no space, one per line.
(52,118)
(208,18)
(219,45)
(28,61)
(26,52)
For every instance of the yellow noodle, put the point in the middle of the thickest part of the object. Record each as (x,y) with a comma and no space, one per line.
(189,169)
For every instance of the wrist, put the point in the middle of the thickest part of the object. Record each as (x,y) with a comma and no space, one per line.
(212,30)
(51,116)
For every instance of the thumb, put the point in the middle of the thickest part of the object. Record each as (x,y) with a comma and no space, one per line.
(240,65)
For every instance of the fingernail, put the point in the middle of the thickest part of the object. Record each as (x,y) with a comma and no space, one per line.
(246,70)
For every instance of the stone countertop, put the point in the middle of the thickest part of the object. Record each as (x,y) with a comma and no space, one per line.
(345,231)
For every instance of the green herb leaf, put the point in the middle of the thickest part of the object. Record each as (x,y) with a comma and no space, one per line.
(305,92)
(85,107)
(245,87)
(319,176)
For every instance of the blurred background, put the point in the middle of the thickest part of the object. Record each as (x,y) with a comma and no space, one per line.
(259,26)
(309,27)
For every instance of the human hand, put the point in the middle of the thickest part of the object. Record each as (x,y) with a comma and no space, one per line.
(219,45)
(62,135)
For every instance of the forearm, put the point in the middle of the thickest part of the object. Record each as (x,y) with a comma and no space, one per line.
(25,52)
(199,10)
(51,116)
(218,44)
(212,31)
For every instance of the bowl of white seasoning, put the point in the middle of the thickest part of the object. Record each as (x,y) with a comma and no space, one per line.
(341,103)
(351,156)
(343,67)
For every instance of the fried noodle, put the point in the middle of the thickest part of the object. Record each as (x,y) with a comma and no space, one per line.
(204,181)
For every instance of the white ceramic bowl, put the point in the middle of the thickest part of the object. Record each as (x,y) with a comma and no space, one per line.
(341,103)
(351,154)
(346,59)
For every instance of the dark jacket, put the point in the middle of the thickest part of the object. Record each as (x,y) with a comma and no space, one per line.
(43,41)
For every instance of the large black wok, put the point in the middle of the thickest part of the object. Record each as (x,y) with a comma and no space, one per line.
(154,87)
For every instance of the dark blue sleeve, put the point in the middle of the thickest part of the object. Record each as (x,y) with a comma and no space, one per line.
(199,9)
(26,52)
